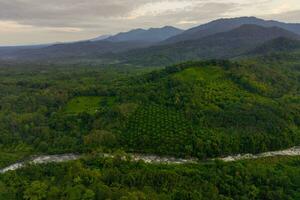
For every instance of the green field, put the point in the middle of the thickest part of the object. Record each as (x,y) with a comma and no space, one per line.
(86,104)
(200,74)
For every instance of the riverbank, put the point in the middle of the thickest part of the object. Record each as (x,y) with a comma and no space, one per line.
(294,151)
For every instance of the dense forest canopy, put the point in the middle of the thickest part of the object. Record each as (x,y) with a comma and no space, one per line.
(207,113)
(197,109)
(98,178)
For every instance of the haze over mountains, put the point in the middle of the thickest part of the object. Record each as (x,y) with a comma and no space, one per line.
(222,45)
(223,25)
(223,38)
(150,35)
(101,37)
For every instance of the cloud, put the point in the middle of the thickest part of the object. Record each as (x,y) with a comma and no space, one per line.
(185,22)
(290,16)
(94,13)
(160,7)
(59,13)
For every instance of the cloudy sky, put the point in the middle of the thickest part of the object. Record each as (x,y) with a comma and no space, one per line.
(44,21)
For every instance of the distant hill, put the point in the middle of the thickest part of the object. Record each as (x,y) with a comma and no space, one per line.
(150,35)
(102,37)
(223,25)
(280,44)
(78,50)
(220,39)
(94,48)
(11,51)
(221,45)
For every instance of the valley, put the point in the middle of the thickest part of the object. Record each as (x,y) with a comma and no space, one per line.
(211,112)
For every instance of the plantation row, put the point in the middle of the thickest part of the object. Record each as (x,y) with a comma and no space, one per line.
(157,129)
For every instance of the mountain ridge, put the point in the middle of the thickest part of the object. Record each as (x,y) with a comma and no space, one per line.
(219,46)
(280,44)
(141,45)
(147,35)
(227,24)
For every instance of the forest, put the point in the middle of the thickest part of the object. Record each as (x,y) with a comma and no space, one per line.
(96,178)
(198,109)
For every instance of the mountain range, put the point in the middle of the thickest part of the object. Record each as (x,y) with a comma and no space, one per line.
(281,44)
(151,35)
(101,37)
(223,25)
(222,45)
(223,38)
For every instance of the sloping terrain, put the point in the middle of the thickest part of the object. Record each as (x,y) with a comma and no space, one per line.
(277,45)
(77,50)
(93,49)
(230,108)
(224,25)
(224,38)
(221,45)
(151,35)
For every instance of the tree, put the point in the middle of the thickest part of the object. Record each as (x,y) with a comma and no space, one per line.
(100,138)
(37,190)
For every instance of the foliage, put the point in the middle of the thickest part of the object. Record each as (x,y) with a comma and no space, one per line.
(156,126)
(99,178)
(203,109)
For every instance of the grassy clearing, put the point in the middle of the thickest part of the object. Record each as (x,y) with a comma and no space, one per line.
(83,104)
(200,74)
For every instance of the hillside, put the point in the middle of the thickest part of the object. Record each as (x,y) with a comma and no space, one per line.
(202,109)
(220,108)
(277,45)
(93,49)
(221,45)
(77,50)
(197,109)
(101,37)
(224,25)
(220,39)
(151,35)
(10,51)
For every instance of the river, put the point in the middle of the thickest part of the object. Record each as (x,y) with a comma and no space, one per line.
(295,151)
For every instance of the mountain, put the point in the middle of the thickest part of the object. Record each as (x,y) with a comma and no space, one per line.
(218,46)
(150,35)
(85,49)
(94,48)
(224,38)
(223,25)
(7,52)
(277,45)
(101,37)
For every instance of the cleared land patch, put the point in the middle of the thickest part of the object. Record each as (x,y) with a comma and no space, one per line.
(82,104)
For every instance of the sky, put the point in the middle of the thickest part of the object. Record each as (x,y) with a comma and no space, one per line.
(47,21)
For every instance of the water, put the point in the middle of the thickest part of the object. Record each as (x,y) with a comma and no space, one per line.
(41,160)
(295,151)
